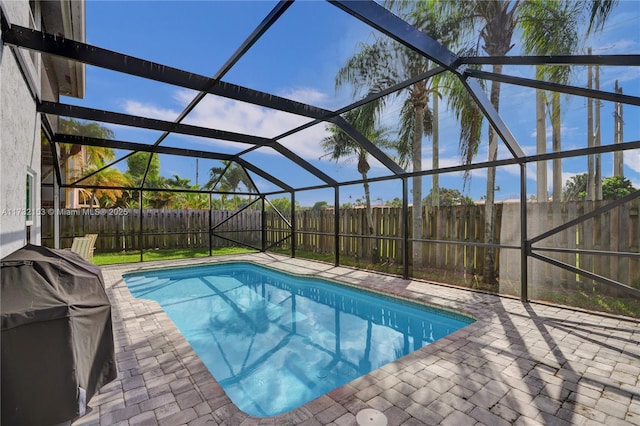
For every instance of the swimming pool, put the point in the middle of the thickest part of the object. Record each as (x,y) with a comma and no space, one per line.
(275,341)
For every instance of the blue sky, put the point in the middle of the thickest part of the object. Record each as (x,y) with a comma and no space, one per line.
(298,58)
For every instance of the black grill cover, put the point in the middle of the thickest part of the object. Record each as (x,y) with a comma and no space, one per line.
(57,345)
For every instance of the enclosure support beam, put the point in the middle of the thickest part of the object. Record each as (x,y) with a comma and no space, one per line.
(609,60)
(336,224)
(142,147)
(291,156)
(376,16)
(586,216)
(210,225)
(271,18)
(555,87)
(383,20)
(405,228)
(607,281)
(492,114)
(107,59)
(140,231)
(365,143)
(263,226)
(103,116)
(294,224)
(524,244)
(48,131)
(56,215)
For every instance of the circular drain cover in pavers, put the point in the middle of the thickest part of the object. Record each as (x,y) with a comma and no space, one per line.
(371,417)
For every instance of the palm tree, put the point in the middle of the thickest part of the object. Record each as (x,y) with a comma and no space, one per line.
(108,177)
(339,145)
(497,20)
(228,178)
(550,28)
(94,161)
(384,63)
(185,200)
(93,154)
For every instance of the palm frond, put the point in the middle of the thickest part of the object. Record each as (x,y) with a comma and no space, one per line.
(405,136)
(600,11)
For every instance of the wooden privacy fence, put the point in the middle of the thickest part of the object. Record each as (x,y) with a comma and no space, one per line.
(119,229)
(617,230)
(451,223)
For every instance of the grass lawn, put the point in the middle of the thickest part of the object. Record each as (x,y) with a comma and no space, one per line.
(134,256)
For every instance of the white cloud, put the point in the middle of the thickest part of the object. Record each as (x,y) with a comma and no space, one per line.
(568,175)
(308,95)
(620,46)
(632,159)
(565,131)
(306,143)
(148,110)
(240,117)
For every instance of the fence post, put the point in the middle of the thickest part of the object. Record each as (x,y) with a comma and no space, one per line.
(524,243)
(294,224)
(140,230)
(336,224)
(263,225)
(405,229)
(210,226)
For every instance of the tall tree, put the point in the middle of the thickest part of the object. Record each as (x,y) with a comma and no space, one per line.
(229,178)
(550,27)
(383,63)
(450,197)
(612,188)
(497,21)
(92,159)
(137,165)
(105,197)
(92,154)
(339,145)
(183,200)
(616,187)
(576,188)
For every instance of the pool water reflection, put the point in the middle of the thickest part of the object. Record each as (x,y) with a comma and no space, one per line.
(276,341)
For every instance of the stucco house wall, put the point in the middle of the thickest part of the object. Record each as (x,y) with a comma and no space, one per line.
(19,145)
(22,82)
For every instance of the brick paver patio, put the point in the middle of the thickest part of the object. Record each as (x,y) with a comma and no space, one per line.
(523,364)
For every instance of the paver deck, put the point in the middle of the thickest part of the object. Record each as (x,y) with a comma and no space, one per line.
(522,364)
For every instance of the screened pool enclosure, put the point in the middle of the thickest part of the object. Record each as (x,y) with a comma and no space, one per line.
(553,248)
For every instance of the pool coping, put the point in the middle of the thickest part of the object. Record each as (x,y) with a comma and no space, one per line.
(472,375)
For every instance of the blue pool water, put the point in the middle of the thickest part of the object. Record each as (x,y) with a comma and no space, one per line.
(276,341)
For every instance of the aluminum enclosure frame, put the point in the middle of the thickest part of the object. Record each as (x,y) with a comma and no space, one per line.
(373,15)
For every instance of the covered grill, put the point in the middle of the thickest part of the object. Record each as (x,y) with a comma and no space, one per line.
(57,345)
